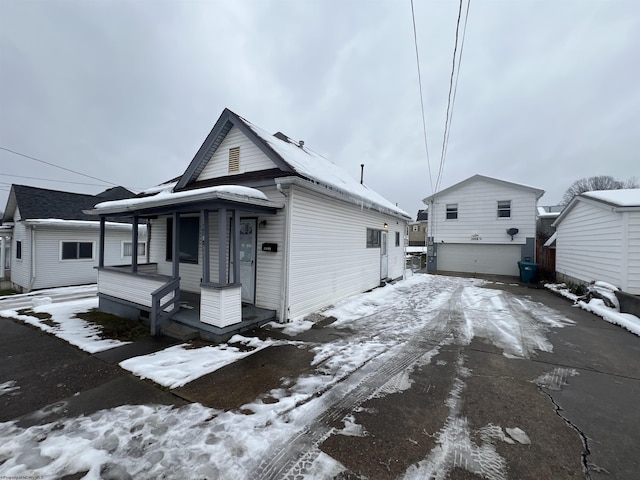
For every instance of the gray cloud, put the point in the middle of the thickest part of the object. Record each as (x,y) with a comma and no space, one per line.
(127,90)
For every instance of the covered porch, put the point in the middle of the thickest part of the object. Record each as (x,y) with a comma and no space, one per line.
(214,307)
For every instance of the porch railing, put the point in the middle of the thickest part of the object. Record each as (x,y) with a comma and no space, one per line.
(161,311)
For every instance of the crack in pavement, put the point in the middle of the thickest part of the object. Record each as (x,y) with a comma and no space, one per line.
(585,442)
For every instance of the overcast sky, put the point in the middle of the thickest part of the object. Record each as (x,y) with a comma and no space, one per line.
(126,91)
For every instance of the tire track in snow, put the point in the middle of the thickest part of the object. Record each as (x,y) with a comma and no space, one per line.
(291,459)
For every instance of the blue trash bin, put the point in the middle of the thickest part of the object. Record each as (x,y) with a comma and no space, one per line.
(527,271)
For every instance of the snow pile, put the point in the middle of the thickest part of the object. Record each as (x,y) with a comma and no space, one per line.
(178,365)
(65,325)
(598,306)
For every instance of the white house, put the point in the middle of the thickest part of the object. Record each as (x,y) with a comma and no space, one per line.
(598,238)
(298,234)
(53,243)
(482,225)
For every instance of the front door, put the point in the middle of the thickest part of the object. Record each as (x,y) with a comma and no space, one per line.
(384,258)
(248,259)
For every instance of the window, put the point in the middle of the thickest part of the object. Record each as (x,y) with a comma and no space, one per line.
(19,250)
(76,251)
(188,241)
(397,239)
(452,211)
(127,250)
(373,238)
(234,159)
(504,209)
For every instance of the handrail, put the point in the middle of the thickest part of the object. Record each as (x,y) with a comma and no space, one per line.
(159,312)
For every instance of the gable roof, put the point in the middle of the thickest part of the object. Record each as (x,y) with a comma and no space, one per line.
(42,203)
(538,192)
(623,200)
(289,157)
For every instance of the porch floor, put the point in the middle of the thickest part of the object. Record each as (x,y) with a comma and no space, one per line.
(189,314)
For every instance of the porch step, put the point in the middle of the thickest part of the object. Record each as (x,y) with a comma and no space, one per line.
(179,331)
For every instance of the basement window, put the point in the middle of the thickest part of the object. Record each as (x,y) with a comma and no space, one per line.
(234,160)
(76,251)
(504,209)
(452,211)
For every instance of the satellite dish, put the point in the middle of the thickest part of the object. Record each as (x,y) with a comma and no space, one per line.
(512,232)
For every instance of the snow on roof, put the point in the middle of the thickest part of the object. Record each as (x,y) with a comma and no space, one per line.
(57,222)
(544,213)
(163,187)
(538,191)
(315,167)
(627,197)
(165,197)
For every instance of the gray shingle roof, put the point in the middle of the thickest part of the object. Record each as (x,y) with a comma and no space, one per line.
(42,203)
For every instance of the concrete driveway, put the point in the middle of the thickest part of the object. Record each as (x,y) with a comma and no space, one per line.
(460,381)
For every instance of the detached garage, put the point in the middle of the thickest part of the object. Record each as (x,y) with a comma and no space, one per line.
(598,238)
(482,225)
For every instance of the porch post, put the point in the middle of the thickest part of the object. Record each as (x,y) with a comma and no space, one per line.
(175,254)
(206,270)
(236,246)
(222,244)
(101,242)
(134,244)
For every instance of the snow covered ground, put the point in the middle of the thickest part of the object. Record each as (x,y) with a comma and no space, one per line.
(598,307)
(388,333)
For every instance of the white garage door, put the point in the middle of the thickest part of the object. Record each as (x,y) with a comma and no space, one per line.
(474,258)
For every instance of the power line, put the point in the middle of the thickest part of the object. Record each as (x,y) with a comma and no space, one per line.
(446,122)
(424,123)
(56,166)
(455,88)
(50,180)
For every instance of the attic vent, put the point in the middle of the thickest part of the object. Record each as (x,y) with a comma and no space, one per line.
(234,159)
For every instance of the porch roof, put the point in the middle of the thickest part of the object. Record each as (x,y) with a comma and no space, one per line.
(222,196)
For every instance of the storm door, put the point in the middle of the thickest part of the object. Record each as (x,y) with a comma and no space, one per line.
(248,259)
(384,257)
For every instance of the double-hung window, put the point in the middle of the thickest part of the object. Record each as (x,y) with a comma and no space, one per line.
(76,251)
(452,211)
(127,251)
(504,209)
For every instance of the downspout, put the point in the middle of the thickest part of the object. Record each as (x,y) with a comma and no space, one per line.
(284,294)
(32,280)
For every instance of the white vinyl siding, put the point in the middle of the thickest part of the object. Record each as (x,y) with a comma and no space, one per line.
(50,270)
(133,288)
(329,259)
(592,242)
(477,216)
(251,157)
(20,269)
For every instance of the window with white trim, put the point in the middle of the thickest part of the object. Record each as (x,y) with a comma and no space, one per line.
(127,250)
(76,250)
(19,249)
(373,238)
(504,209)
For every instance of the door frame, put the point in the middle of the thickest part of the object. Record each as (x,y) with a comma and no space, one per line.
(254,222)
(384,254)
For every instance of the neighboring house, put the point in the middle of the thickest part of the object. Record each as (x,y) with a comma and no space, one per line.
(598,238)
(53,243)
(298,234)
(418,230)
(482,225)
(5,255)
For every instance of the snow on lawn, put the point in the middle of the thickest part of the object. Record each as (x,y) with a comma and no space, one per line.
(597,306)
(280,433)
(180,364)
(64,324)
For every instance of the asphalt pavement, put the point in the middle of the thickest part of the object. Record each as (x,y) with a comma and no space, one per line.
(581,414)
